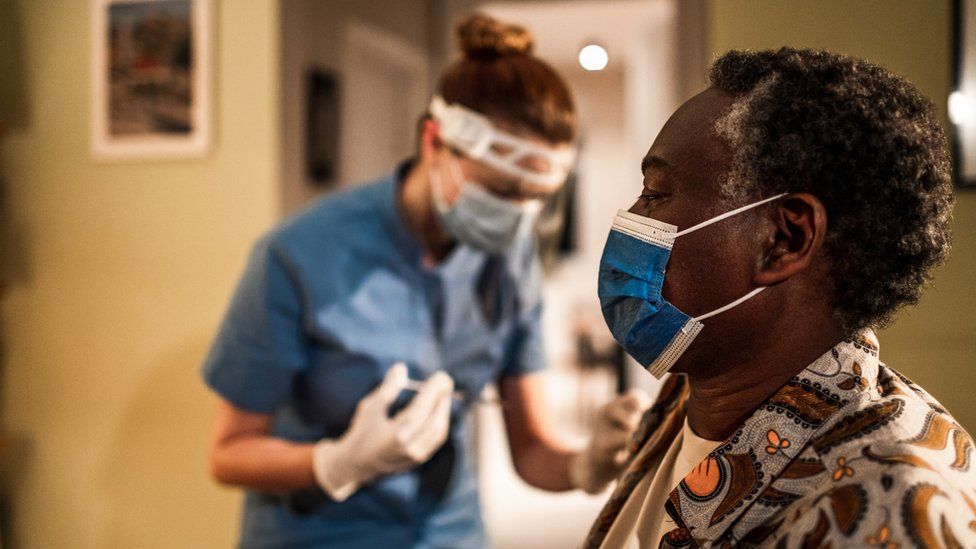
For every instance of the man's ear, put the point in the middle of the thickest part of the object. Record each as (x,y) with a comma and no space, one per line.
(797,226)
(430,141)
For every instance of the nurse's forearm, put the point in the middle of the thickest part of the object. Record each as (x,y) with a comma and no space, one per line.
(543,466)
(243,453)
(538,454)
(263,463)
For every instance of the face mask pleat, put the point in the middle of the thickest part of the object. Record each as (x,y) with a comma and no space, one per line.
(631,260)
(649,338)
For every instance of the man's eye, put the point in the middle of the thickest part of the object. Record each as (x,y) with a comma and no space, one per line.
(648,195)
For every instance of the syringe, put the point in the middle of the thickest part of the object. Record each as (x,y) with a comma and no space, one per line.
(415,385)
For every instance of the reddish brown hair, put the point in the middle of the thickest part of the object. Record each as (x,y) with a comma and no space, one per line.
(499,77)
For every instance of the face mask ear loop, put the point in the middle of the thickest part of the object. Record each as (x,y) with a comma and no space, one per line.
(735,303)
(726,215)
(437,184)
(455,167)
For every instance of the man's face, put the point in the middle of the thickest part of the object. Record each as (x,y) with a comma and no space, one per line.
(709,268)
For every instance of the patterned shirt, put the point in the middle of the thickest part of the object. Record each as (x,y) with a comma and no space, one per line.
(847,453)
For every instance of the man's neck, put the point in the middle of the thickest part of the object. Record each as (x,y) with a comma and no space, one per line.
(726,396)
(414,204)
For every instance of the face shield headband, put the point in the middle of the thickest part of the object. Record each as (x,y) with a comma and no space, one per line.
(473,134)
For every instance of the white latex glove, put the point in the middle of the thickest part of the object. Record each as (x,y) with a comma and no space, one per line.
(605,455)
(375,444)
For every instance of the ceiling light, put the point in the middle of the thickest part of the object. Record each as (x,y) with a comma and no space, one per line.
(593,57)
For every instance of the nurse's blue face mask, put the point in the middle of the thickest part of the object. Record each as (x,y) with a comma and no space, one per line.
(632,269)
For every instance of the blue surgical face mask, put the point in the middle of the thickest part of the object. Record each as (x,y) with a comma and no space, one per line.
(479,218)
(632,269)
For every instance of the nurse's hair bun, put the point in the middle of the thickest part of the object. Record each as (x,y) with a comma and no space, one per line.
(482,37)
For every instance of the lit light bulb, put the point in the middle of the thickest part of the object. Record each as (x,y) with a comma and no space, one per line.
(962,108)
(593,57)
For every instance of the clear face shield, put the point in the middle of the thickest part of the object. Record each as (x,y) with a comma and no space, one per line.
(473,134)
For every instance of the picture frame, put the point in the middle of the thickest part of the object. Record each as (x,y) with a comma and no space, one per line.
(150,79)
(962,99)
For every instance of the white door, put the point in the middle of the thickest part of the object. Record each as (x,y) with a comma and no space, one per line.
(384,93)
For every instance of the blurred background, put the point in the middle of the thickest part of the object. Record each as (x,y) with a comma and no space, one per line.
(118,256)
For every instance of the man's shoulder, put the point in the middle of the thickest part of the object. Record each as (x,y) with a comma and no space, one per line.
(893,465)
(891,461)
(899,430)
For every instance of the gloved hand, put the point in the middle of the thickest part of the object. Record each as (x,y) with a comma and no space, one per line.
(375,444)
(605,455)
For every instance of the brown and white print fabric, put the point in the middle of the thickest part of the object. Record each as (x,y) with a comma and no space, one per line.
(848,453)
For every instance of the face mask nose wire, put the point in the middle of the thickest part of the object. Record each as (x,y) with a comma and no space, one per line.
(726,215)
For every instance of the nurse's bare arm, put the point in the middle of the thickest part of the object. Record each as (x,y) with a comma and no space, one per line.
(243,453)
(540,458)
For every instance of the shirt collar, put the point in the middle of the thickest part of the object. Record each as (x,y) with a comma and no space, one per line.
(726,483)
(389,209)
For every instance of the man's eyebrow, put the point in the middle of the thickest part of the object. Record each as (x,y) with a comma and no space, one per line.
(653,161)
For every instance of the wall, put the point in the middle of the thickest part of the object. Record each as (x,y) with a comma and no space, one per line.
(117,275)
(934,343)
(312,34)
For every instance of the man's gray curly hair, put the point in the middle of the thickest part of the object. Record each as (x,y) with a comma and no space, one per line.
(863,141)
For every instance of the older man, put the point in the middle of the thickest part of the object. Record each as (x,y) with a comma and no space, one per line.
(796,203)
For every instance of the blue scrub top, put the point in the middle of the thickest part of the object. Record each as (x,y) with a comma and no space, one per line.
(330,299)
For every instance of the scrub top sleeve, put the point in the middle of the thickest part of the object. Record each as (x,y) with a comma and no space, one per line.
(260,346)
(526,354)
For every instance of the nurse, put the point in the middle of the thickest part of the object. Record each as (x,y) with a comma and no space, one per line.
(364,328)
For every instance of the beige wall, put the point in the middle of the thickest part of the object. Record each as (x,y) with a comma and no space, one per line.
(118,274)
(935,343)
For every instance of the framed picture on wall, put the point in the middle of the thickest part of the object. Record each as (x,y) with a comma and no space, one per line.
(150,74)
(962,99)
